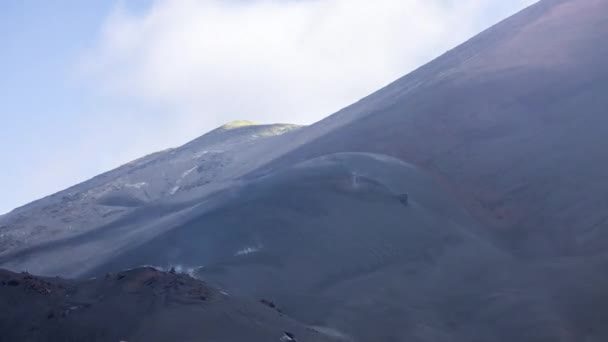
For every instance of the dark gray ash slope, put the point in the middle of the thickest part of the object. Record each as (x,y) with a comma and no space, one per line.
(498,145)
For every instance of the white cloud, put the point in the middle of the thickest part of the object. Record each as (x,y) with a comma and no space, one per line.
(211,61)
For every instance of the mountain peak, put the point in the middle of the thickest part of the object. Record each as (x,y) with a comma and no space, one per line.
(237,124)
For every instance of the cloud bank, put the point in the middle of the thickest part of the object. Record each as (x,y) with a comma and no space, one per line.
(211,61)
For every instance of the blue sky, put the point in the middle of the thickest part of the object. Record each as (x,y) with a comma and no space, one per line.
(86,86)
(43,105)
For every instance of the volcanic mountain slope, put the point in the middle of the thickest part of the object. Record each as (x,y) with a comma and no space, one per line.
(137,305)
(464,202)
(174,175)
(502,121)
(337,244)
(513,121)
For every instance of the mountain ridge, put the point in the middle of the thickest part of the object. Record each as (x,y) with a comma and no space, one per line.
(62,209)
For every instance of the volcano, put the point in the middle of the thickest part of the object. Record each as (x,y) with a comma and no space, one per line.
(465,201)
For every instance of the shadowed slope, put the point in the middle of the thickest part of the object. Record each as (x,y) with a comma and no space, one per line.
(136,305)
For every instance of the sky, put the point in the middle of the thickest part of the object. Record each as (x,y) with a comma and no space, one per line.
(86,86)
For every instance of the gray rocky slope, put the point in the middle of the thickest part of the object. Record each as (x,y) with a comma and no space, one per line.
(463,202)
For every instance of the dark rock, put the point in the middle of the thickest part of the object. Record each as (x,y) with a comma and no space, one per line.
(133,311)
